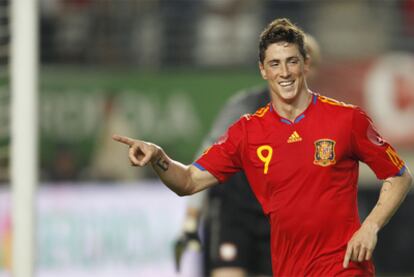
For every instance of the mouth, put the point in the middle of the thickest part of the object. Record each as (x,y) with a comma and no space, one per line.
(286,84)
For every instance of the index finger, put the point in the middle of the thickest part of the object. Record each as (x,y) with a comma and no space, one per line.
(347,257)
(122,139)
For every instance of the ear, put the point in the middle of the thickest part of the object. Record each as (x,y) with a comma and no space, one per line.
(262,70)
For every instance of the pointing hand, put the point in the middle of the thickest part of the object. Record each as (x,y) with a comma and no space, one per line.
(140,152)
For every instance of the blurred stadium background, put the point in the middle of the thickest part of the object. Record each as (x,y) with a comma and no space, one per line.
(160,70)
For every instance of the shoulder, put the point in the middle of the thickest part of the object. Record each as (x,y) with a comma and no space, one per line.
(335,104)
(251,122)
(341,109)
(257,116)
(338,107)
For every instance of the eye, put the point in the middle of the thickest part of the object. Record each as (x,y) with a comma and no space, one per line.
(294,61)
(274,64)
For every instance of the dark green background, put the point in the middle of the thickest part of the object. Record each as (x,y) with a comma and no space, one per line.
(207,89)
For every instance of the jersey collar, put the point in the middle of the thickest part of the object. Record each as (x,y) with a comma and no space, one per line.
(299,117)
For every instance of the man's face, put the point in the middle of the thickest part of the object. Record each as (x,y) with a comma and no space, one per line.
(284,68)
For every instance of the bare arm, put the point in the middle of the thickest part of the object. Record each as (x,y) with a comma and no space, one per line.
(180,178)
(363,242)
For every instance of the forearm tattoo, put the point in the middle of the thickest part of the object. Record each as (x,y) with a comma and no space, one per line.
(163,164)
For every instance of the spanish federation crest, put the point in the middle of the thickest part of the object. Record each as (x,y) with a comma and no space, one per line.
(324,152)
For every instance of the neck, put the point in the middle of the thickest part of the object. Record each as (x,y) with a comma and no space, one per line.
(291,109)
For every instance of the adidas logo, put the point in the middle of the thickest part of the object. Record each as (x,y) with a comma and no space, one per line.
(294,137)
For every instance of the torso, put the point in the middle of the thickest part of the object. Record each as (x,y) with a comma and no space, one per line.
(309,185)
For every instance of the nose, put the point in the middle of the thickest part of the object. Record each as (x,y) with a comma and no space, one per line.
(284,71)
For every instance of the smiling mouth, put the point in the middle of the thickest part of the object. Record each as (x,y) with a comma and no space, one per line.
(286,83)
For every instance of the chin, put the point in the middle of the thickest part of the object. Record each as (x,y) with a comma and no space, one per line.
(288,96)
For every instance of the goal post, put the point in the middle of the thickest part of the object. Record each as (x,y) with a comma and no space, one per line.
(24,129)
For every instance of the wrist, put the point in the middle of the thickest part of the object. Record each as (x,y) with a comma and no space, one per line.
(158,153)
(372,226)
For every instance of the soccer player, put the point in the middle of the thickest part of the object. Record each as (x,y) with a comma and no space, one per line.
(236,233)
(300,154)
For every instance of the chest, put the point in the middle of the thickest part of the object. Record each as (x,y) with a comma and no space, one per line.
(292,148)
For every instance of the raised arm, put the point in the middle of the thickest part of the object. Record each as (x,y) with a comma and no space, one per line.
(363,242)
(180,178)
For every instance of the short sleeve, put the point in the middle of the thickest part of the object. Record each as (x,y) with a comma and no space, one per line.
(222,159)
(369,147)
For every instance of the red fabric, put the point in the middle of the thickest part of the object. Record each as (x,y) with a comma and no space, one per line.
(310,188)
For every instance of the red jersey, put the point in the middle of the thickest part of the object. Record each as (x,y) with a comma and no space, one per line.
(304,174)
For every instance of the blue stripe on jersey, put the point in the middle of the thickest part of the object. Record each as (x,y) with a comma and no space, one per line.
(299,118)
(199,166)
(401,171)
(314,99)
(285,121)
